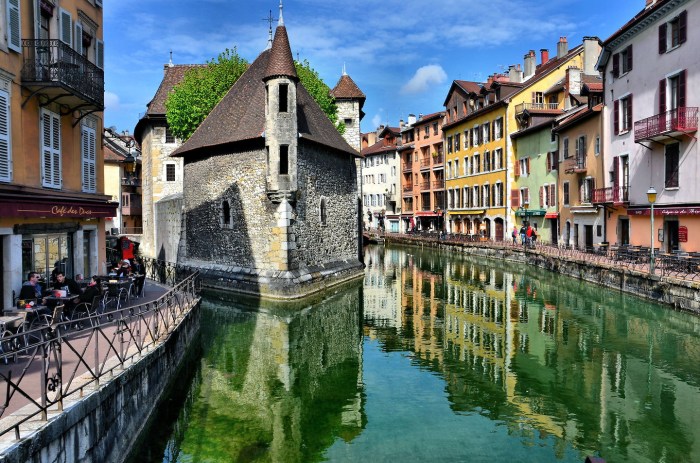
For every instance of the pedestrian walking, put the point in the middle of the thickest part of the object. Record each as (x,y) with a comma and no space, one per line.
(515,234)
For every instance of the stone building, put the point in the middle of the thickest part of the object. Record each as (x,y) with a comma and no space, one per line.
(270,190)
(162,174)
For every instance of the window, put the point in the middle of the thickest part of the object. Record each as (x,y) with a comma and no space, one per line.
(565,187)
(466,139)
(14,26)
(456,168)
(449,144)
(5,138)
(580,149)
(427,131)
(597,145)
(623,115)
(565,148)
(672,93)
(499,159)
(586,190)
(435,128)
(476,163)
(449,169)
(672,159)
(524,166)
(283,103)
(475,132)
(323,213)
(465,167)
(498,128)
(88,147)
(225,214)
(622,62)
(487,161)
(486,132)
(673,33)
(393,171)
(525,196)
(169,137)
(50,149)
(284,160)
(170,172)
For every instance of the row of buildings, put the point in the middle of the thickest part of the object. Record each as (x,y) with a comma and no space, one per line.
(571,143)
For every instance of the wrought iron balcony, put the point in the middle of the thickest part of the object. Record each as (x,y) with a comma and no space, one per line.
(575,165)
(425,185)
(670,123)
(611,195)
(408,187)
(438,185)
(425,162)
(131,181)
(54,69)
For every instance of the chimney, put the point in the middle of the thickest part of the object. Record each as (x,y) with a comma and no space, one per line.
(379,130)
(420,116)
(591,52)
(573,81)
(529,64)
(401,124)
(515,75)
(411,119)
(544,54)
(562,47)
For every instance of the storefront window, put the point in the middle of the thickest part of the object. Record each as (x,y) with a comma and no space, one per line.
(41,252)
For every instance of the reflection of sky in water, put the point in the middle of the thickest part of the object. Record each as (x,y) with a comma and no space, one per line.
(408,419)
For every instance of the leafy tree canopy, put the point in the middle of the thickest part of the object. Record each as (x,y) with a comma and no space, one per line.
(203,87)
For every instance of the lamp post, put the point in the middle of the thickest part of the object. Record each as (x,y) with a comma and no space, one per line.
(651,196)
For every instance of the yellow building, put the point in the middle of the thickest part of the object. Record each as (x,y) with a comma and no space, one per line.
(52,210)
(476,173)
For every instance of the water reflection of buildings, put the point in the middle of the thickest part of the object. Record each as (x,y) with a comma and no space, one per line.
(280,385)
(551,357)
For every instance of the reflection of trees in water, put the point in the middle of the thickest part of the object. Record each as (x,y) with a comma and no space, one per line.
(551,356)
(276,385)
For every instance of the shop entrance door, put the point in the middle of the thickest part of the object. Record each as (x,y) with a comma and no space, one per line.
(40,253)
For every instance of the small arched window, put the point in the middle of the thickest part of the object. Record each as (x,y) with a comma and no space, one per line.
(323,212)
(225,215)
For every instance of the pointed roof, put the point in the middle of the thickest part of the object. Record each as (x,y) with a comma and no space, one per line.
(240,116)
(346,88)
(281,62)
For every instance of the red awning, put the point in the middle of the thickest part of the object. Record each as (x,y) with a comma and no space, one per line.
(551,215)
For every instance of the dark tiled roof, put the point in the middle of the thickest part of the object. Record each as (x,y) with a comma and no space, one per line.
(380,147)
(172,76)
(469,86)
(346,88)
(431,116)
(281,62)
(111,156)
(637,18)
(240,115)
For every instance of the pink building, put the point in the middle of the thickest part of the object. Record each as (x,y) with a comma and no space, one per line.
(651,70)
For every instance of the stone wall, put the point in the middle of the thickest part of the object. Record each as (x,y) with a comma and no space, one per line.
(168,220)
(103,426)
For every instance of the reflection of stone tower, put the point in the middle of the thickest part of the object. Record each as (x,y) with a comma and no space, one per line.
(281,118)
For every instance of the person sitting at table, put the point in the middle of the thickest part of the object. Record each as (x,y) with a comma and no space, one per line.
(125,269)
(67,284)
(31,289)
(93,289)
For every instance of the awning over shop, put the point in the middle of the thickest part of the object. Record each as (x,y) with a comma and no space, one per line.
(551,215)
(530,212)
(477,212)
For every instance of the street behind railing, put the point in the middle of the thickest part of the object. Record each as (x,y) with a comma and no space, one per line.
(683,266)
(42,367)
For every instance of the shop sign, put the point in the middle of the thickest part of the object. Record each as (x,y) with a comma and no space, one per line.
(683,234)
(666,211)
(57,210)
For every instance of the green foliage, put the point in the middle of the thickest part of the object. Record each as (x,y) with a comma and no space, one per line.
(319,91)
(203,87)
(200,90)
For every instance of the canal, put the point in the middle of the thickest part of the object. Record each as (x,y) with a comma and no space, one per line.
(437,357)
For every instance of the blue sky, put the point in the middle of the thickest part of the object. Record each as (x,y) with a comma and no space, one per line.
(402,54)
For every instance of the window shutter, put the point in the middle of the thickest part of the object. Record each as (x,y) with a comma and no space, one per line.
(5,145)
(681,88)
(616,65)
(527,166)
(628,100)
(51,149)
(662,96)
(662,38)
(517,168)
(14,26)
(629,58)
(100,54)
(616,118)
(493,195)
(65,27)
(616,170)
(500,128)
(514,198)
(88,148)
(542,196)
(683,27)
(577,154)
(553,194)
(78,38)
(471,138)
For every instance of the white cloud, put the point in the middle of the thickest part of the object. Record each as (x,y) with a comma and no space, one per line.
(424,78)
(111,101)
(377,120)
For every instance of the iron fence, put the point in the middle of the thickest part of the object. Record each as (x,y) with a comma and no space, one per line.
(45,363)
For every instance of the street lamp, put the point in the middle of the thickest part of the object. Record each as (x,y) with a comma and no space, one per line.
(651,196)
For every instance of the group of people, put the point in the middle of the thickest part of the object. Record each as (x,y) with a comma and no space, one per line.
(32,290)
(528,235)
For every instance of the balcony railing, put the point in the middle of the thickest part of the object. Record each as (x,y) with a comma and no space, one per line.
(425,162)
(407,167)
(408,187)
(131,181)
(52,63)
(425,185)
(438,184)
(679,120)
(535,106)
(614,195)
(438,159)
(575,165)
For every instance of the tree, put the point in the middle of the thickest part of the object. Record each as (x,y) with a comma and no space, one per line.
(203,87)
(200,90)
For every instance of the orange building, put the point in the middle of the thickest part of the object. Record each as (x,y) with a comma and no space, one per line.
(52,206)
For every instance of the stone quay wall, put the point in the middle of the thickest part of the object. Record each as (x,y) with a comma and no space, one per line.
(103,426)
(679,294)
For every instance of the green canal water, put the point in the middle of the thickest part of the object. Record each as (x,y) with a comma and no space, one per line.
(437,357)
